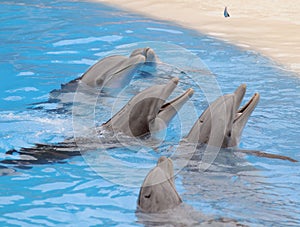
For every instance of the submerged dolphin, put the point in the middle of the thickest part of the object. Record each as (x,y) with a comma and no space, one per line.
(145,113)
(148,111)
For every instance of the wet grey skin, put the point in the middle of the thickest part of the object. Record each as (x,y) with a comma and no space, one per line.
(148,111)
(116,71)
(158,192)
(222,123)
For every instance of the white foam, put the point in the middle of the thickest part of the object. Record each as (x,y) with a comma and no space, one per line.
(63,52)
(83,61)
(126,45)
(13,98)
(102,54)
(218,34)
(41,97)
(111,38)
(26,89)
(243,45)
(94,49)
(165,30)
(25,74)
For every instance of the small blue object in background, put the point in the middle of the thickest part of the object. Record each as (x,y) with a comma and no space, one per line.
(226,14)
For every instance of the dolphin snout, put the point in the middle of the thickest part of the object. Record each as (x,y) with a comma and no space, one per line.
(175,80)
(190,92)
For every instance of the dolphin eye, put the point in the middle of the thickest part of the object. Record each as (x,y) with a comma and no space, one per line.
(229,134)
(148,196)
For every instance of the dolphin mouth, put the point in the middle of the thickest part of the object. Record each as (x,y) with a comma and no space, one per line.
(247,108)
(169,109)
(177,102)
(148,50)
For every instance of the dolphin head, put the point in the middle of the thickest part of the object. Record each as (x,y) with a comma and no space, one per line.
(116,71)
(147,52)
(148,110)
(241,117)
(222,123)
(158,191)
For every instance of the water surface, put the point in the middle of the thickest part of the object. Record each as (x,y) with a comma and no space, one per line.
(48,43)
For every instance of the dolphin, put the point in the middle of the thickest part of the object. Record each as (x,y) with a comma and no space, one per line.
(159,203)
(113,72)
(116,71)
(158,192)
(222,123)
(148,111)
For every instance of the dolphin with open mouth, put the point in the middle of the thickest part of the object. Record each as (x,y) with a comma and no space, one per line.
(222,123)
(148,111)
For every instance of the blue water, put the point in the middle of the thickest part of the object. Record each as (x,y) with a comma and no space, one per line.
(47,43)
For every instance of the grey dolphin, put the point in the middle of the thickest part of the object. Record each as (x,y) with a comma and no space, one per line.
(117,70)
(158,191)
(222,123)
(148,111)
(110,72)
(159,203)
(145,113)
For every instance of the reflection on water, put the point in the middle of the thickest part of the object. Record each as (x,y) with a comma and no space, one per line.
(46,44)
